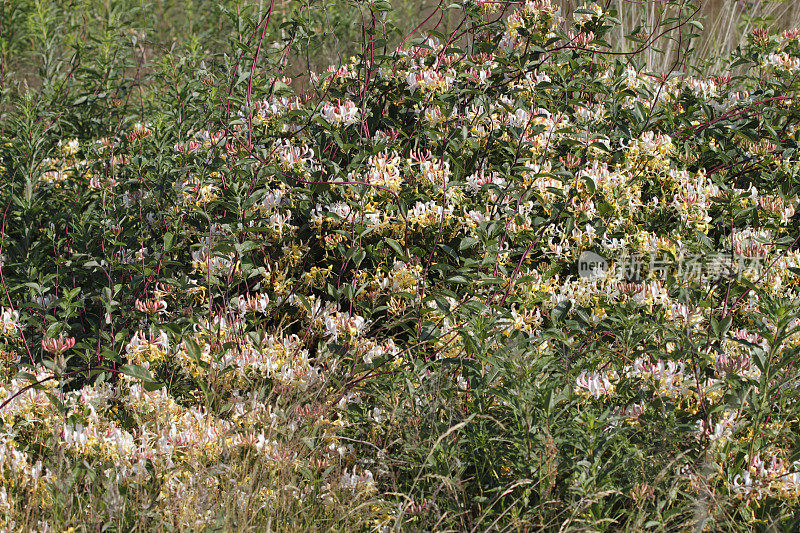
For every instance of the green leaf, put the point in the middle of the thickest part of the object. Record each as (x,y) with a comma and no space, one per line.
(169,241)
(138,372)
(394,245)
(467,242)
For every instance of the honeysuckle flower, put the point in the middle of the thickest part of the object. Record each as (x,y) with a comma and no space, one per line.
(272,200)
(581,38)
(291,156)
(9,321)
(252,303)
(429,80)
(685,315)
(45,300)
(745,484)
(782,61)
(58,345)
(151,306)
(76,434)
(189,147)
(596,384)
(733,363)
(340,113)
(358,482)
(583,18)
(138,131)
(144,343)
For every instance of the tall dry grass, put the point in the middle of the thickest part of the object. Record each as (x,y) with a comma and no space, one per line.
(725,25)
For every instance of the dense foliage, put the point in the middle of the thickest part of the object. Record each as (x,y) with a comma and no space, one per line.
(498,277)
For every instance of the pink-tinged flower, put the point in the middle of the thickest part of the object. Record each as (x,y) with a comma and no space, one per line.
(187,148)
(744,483)
(234,147)
(151,306)
(255,303)
(139,131)
(9,321)
(790,35)
(291,156)
(752,338)
(208,139)
(733,363)
(59,345)
(97,183)
(782,61)
(142,341)
(340,113)
(596,384)
(581,38)
(428,80)
(386,136)
(632,411)
(418,52)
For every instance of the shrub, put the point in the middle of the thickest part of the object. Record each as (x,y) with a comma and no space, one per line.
(497,277)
